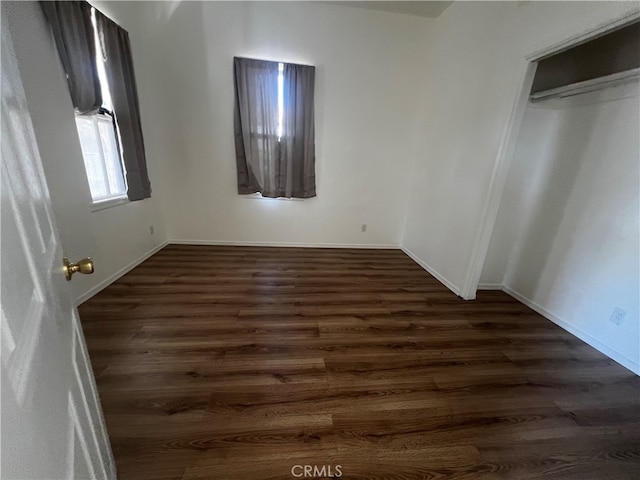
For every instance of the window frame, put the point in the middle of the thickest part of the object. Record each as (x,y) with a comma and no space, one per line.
(114,199)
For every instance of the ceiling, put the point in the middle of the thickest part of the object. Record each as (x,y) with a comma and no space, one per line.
(415,7)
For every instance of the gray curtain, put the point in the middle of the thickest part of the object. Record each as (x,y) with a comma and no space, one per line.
(298,141)
(274,166)
(73,34)
(124,95)
(256,126)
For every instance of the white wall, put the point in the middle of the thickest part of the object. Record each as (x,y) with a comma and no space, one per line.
(114,237)
(476,62)
(567,238)
(369,86)
(539,136)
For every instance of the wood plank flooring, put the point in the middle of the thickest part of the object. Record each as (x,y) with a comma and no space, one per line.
(242,362)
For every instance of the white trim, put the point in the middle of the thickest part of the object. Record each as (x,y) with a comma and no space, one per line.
(441,278)
(78,340)
(78,431)
(115,276)
(490,286)
(108,203)
(503,160)
(575,331)
(231,243)
(21,362)
(497,183)
(99,427)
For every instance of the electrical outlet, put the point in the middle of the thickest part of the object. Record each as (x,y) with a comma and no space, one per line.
(151,229)
(618,316)
(363,228)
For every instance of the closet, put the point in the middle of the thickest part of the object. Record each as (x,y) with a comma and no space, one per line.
(566,240)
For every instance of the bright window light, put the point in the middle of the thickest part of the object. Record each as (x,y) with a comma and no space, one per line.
(100,59)
(99,140)
(280,99)
(101,157)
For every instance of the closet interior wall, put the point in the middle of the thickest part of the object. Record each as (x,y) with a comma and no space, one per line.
(566,238)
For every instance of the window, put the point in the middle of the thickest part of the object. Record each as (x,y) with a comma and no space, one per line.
(99,140)
(95,54)
(274,128)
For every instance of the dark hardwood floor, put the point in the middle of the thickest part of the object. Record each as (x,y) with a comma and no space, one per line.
(242,362)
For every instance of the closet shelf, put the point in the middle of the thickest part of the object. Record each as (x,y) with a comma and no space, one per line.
(587,86)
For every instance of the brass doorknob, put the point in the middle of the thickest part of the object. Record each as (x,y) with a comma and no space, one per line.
(84,266)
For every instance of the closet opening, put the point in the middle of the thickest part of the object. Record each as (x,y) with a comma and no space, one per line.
(565,237)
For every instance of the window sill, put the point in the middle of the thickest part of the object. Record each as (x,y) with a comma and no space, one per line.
(108,203)
(257,196)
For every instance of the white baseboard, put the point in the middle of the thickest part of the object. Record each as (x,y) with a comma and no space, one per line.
(576,332)
(432,271)
(112,278)
(490,286)
(283,244)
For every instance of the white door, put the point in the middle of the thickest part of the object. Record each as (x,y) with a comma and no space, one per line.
(52,425)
